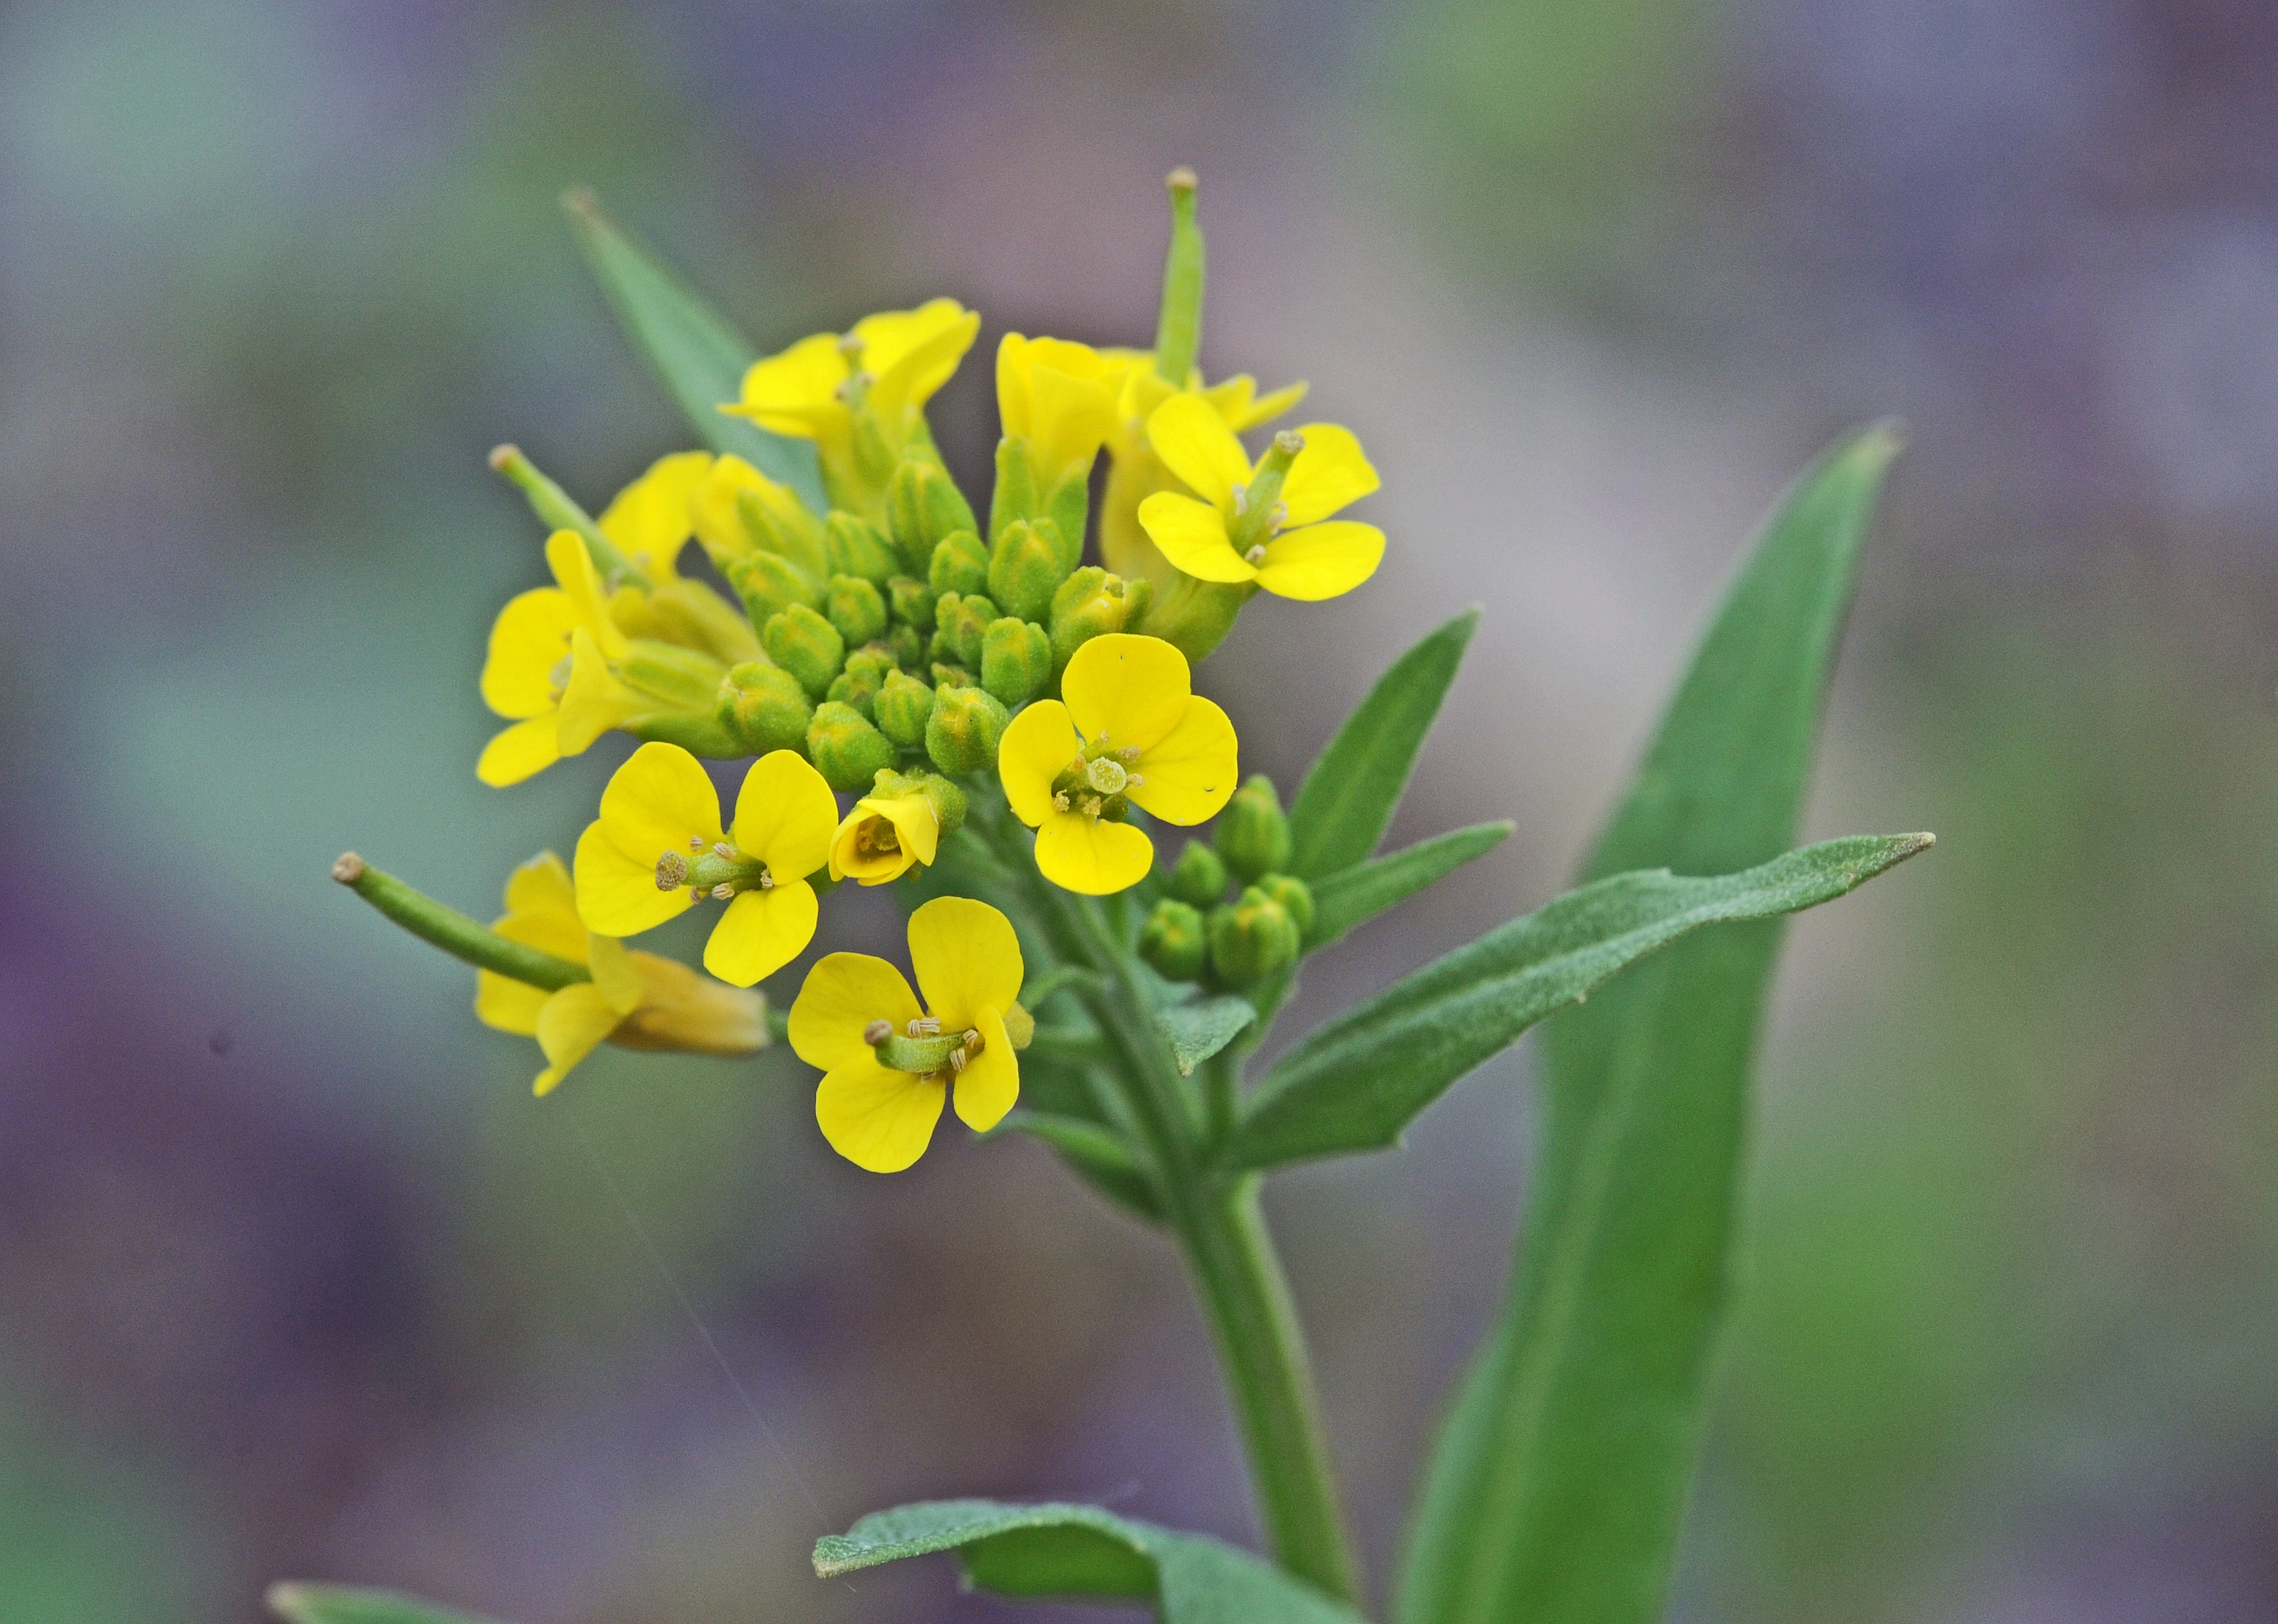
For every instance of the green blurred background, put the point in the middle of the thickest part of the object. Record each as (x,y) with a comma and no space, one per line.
(297,1279)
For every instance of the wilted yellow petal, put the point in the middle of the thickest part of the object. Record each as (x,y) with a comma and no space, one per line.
(1190,774)
(844,993)
(1095,857)
(761,931)
(1131,690)
(967,959)
(1321,561)
(878,1119)
(687,1010)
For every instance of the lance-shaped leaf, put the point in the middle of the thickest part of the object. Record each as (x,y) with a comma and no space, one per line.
(1082,1552)
(699,357)
(1357,1082)
(298,1603)
(1349,796)
(1355,896)
(1557,1487)
(1198,1030)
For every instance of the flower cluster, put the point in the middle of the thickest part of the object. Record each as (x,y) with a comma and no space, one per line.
(895,648)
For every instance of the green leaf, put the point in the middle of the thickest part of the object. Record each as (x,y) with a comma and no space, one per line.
(1097,1153)
(1348,796)
(1558,1483)
(1356,894)
(1357,1082)
(300,1602)
(1198,1030)
(696,355)
(1082,1552)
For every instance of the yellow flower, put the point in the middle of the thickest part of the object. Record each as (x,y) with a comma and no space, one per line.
(1295,554)
(1058,398)
(899,358)
(1130,731)
(528,669)
(658,846)
(883,837)
(637,999)
(968,967)
(651,519)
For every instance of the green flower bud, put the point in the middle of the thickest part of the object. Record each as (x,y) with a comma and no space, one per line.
(764,708)
(1174,942)
(1016,660)
(961,734)
(786,529)
(807,645)
(1251,938)
(1200,877)
(858,685)
(906,646)
(1024,568)
(1090,604)
(857,547)
(768,585)
(954,677)
(948,800)
(1296,898)
(1253,836)
(1013,497)
(845,748)
(910,602)
(902,707)
(961,624)
(960,565)
(856,608)
(923,504)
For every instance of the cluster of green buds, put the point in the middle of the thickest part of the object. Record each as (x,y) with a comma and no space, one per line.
(1196,932)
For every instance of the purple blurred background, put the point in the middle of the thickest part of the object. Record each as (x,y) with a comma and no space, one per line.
(297,1280)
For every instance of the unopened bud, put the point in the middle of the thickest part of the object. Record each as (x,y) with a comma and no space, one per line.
(764,708)
(923,504)
(906,645)
(960,564)
(845,748)
(1251,938)
(960,626)
(1016,660)
(1200,877)
(902,707)
(807,645)
(1090,604)
(1174,942)
(856,608)
(858,685)
(768,585)
(857,547)
(947,675)
(962,733)
(1296,898)
(1253,835)
(1024,567)
(782,525)
(910,602)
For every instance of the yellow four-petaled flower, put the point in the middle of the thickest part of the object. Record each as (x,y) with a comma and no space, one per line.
(884,837)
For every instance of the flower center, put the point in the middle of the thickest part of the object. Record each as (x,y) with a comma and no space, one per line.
(927,1050)
(876,837)
(1106,775)
(1097,783)
(719,872)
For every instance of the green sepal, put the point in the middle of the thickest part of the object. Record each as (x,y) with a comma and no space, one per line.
(923,504)
(1013,497)
(1296,898)
(910,602)
(682,678)
(768,585)
(1090,604)
(1016,660)
(796,537)
(859,684)
(907,646)
(1194,616)
(961,628)
(960,565)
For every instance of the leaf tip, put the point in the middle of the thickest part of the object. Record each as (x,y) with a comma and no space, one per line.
(835,1554)
(579,203)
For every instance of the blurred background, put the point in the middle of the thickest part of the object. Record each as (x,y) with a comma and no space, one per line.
(297,1280)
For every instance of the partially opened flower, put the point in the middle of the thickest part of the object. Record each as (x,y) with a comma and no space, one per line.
(528,669)
(636,1000)
(901,823)
(1056,398)
(1262,521)
(651,519)
(1128,729)
(888,1063)
(658,848)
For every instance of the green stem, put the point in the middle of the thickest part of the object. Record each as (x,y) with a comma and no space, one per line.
(454,931)
(1179,331)
(555,508)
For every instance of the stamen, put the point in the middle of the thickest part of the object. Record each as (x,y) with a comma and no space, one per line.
(1060,802)
(877,1031)
(696,843)
(558,679)
(722,848)
(723,891)
(1137,780)
(926,1026)
(1129,752)
(957,1060)
(1255,556)
(1281,515)
(695,893)
(671,871)
(1290,441)
(767,880)
(1241,500)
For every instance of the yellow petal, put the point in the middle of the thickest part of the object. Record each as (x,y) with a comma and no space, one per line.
(1131,690)
(569,1027)
(651,519)
(795,392)
(616,893)
(967,959)
(989,1086)
(523,751)
(1095,857)
(785,815)
(761,931)
(613,972)
(1321,561)
(1191,774)
(879,1120)
(911,382)
(541,909)
(916,823)
(528,640)
(1193,536)
(573,570)
(658,801)
(1194,441)
(595,701)
(849,859)
(1037,748)
(1266,408)
(508,1005)
(713,509)
(844,993)
(685,1010)
(1328,474)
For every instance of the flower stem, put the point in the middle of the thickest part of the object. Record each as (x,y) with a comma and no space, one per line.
(454,931)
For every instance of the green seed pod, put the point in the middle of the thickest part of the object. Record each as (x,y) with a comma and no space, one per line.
(961,624)
(1174,942)
(1253,836)
(1200,877)
(764,708)
(961,734)
(960,565)
(1024,568)
(1296,898)
(910,602)
(906,646)
(923,504)
(856,608)
(858,685)
(902,707)
(1090,604)
(768,585)
(845,748)
(807,645)
(857,547)
(1251,938)
(1016,660)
